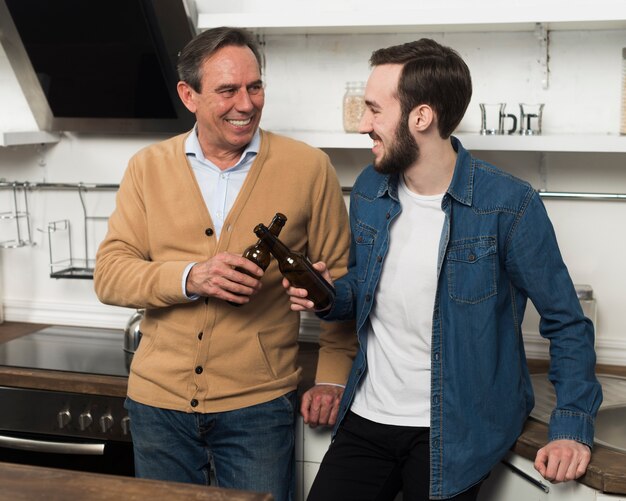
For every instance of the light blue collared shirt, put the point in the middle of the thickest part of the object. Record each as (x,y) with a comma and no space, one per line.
(219,187)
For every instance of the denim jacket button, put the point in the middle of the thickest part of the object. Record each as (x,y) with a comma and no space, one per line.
(379,258)
(472,257)
(368,298)
(359,239)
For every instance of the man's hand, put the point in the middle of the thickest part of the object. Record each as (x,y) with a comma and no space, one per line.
(217,277)
(320,405)
(562,460)
(297,296)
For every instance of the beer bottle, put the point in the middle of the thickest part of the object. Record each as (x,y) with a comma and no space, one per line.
(296,268)
(259,253)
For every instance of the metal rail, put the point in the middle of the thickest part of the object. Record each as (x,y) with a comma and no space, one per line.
(559,195)
(58,186)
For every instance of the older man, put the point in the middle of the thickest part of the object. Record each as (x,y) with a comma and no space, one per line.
(211,383)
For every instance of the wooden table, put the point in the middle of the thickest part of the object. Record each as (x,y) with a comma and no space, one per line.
(29,483)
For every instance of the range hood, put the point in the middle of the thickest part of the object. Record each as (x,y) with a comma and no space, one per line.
(99,66)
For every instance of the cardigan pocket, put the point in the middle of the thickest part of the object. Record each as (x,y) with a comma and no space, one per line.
(278,347)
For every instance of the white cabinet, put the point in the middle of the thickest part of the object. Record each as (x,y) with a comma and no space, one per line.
(311,445)
(517,480)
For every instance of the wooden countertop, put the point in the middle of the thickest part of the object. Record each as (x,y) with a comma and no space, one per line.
(21,482)
(606,472)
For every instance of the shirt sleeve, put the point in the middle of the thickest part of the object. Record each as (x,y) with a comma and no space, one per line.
(536,267)
(329,238)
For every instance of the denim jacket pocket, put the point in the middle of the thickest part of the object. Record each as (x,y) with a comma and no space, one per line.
(472,269)
(364,237)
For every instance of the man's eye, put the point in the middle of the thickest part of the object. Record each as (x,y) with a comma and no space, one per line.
(228,92)
(255,89)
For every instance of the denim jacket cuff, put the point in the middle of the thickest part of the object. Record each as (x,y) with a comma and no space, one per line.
(342,307)
(570,425)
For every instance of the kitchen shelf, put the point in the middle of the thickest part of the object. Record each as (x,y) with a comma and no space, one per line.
(279,18)
(18,138)
(596,143)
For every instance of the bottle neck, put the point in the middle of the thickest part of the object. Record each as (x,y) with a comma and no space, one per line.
(278,249)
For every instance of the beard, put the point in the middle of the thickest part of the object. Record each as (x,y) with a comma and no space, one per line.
(401,153)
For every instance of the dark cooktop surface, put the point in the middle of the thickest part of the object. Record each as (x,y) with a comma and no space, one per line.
(73,349)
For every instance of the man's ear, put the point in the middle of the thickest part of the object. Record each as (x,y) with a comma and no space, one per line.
(187,96)
(422,117)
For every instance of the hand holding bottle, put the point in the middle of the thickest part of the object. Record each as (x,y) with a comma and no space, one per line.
(218,277)
(296,268)
(298,296)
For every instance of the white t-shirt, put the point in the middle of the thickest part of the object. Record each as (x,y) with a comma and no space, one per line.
(396,387)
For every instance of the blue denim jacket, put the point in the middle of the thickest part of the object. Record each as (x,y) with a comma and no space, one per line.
(497,250)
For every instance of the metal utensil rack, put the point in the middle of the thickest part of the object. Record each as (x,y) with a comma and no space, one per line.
(68,266)
(19,214)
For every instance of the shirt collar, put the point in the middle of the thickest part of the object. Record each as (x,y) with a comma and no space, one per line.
(192,147)
(461,186)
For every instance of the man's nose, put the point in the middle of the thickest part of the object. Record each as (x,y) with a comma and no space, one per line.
(365,125)
(244,102)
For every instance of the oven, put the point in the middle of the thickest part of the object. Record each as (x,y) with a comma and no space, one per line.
(60,428)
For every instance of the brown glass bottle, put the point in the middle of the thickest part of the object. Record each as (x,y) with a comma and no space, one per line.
(296,268)
(259,253)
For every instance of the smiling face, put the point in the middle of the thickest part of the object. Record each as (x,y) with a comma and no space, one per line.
(228,108)
(394,147)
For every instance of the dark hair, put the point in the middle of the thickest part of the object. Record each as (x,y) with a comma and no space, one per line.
(208,43)
(432,74)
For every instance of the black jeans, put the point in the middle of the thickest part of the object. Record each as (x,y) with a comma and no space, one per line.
(369,461)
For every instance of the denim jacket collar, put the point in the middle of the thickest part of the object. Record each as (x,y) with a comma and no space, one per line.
(461,186)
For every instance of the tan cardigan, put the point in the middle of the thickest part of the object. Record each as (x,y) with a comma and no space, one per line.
(207,351)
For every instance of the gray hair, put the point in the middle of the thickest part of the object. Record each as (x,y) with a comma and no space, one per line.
(208,43)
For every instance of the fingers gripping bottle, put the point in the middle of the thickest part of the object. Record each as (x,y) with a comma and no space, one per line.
(296,268)
(259,253)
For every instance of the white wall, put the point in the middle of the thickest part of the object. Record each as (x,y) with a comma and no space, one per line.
(305,78)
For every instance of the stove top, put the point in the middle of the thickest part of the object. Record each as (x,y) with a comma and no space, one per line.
(73,349)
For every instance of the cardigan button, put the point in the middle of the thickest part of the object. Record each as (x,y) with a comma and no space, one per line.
(198,370)
(208,232)
(200,334)
(194,402)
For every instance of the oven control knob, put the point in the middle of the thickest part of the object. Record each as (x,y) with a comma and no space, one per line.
(125,423)
(85,420)
(106,422)
(63,418)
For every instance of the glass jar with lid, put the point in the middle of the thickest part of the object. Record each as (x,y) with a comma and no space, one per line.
(353,106)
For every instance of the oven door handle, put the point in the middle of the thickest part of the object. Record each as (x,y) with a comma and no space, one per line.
(96,449)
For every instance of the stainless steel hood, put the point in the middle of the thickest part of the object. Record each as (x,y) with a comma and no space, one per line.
(101,67)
